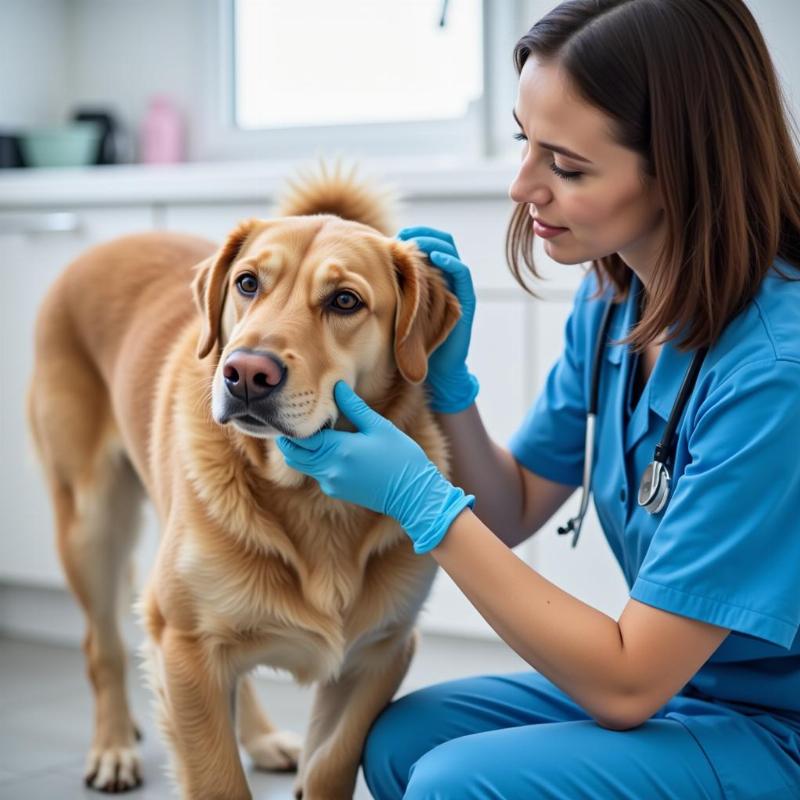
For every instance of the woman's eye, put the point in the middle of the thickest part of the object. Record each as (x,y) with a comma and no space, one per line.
(247,284)
(346,301)
(567,176)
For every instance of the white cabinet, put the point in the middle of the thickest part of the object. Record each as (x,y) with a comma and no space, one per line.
(35,246)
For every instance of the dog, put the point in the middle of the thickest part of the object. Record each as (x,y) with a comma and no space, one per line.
(166,365)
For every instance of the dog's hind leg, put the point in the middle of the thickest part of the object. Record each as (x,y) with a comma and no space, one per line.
(269,748)
(96,500)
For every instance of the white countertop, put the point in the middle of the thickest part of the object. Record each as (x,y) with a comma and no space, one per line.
(233,181)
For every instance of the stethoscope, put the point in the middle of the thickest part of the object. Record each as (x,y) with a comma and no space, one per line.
(655,483)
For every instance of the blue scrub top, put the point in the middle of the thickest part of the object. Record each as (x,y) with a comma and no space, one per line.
(726,549)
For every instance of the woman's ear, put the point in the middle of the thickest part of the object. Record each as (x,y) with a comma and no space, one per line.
(209,282)
(426,310)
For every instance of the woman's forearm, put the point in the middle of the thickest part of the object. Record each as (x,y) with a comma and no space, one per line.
(577,647)
(480,467)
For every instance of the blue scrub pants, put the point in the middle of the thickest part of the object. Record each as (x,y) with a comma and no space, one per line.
(518,736)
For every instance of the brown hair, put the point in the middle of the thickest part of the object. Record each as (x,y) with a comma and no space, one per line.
(690,86)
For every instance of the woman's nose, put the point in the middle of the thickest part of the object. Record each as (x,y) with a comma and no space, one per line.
(530,186)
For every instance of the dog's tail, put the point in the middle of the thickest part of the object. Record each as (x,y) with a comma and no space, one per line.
(326,191)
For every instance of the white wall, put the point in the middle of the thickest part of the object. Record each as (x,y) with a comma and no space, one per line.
(34,52)
(124,52)
(779,21)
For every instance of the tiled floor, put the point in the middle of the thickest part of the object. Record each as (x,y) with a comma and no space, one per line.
(46,713)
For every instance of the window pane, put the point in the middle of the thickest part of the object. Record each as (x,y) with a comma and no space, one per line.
(318,62)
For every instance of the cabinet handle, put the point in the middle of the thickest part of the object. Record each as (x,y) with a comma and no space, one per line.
(54,222)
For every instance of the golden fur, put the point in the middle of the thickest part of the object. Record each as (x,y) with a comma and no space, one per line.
(256,565)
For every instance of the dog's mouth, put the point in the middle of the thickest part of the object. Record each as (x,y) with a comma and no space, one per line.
(253,425)
(249,419)
(269,417)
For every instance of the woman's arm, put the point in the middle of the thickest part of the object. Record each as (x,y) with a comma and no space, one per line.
(509,499)
(619,672)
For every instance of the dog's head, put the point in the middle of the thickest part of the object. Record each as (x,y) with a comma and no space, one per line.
(292,305)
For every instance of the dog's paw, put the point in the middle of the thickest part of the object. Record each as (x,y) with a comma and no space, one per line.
(278,751)
(116,769)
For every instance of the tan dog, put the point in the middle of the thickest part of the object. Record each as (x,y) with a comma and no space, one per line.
(134,390)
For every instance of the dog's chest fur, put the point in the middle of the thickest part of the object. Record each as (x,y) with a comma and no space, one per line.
(293,578)
(263,563)
(305,615)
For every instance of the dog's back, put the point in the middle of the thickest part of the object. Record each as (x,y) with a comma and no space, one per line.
(118,303)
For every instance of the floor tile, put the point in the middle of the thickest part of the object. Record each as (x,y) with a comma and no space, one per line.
(47,727)
(32,670)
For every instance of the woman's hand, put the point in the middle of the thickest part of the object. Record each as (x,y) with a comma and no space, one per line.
(380,468)
(453,387)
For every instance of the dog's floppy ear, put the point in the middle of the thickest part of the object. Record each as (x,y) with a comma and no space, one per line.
(208,284)
(426,310)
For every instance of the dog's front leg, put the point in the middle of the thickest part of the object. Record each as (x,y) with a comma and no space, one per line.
(197,715)
(343,712)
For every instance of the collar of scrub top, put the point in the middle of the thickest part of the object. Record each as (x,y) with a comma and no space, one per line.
(654,486)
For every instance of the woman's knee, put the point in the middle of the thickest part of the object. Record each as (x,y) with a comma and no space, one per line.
(388,751)
(444,774)
(404,731)
(376,758)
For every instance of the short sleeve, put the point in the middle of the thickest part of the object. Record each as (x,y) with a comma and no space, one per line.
(727,550)
(550,440)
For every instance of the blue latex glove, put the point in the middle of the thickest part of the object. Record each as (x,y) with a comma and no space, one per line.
(453,387)
(380,468)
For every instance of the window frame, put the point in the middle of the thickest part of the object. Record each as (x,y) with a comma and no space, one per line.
(486,132)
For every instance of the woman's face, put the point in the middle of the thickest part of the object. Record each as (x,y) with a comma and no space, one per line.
(606,202)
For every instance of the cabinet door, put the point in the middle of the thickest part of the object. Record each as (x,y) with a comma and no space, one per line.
(35,246)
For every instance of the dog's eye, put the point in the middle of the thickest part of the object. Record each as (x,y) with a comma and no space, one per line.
(247,284)
(346,301)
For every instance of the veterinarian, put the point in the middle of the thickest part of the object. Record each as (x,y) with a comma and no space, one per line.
(656,148)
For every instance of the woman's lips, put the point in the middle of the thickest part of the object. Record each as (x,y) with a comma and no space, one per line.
(546,231)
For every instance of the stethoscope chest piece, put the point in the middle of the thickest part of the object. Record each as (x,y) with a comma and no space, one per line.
(654,487)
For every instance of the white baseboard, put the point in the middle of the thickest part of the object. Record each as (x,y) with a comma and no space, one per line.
(53,615)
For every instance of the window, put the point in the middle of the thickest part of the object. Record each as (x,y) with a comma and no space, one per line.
(318,63)
(362,78)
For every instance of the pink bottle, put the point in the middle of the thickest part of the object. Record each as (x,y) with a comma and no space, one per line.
(162,140)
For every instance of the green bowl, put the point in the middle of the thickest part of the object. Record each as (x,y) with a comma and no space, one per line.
(74,145)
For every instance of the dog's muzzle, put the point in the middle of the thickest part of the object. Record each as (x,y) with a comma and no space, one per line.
(251,380)
(252,375)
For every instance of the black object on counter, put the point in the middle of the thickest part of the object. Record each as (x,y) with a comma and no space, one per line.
(107,148)
(10,152)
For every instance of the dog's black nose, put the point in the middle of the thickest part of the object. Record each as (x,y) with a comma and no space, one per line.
(251,375)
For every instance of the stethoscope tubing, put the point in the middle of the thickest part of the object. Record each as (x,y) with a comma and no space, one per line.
(655,482)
